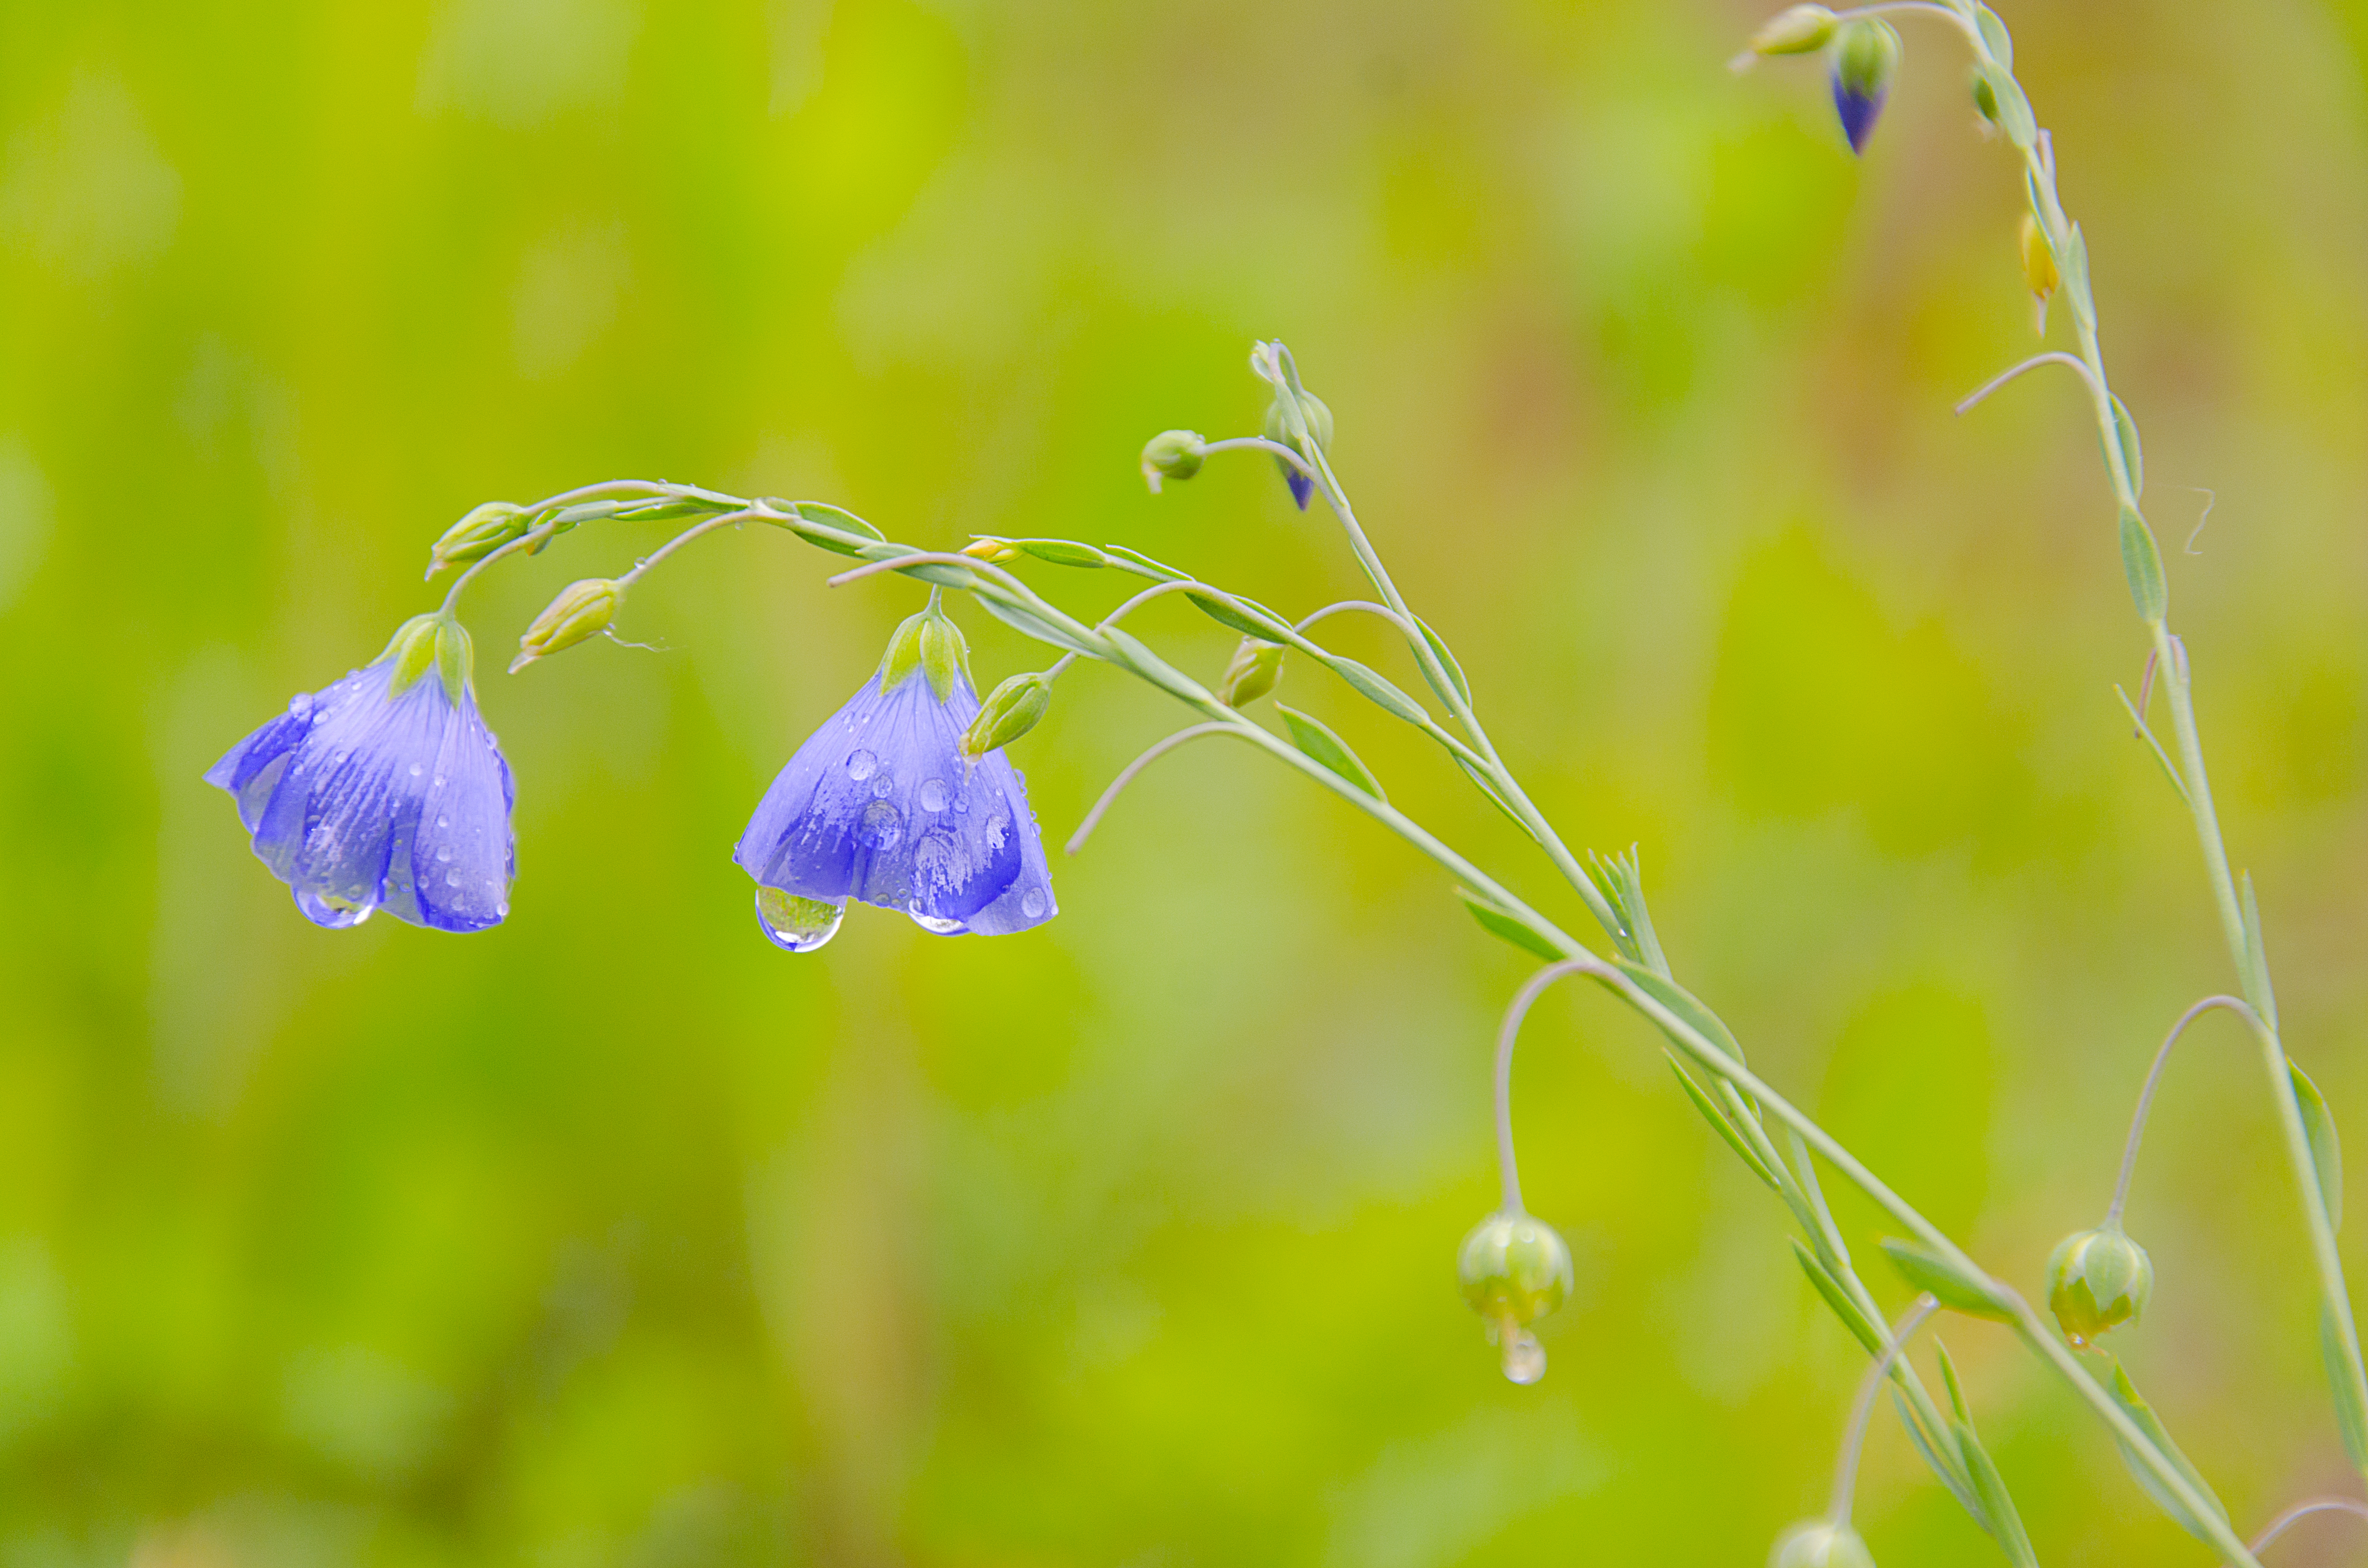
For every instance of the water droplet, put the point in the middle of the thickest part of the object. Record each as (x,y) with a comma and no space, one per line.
(443,822)
(1524,1359)
(797,924)
(861,765)
(451,879)
(501,912)
(997,827)
(438,781)
(933,795)
(962,803)
(301,705)
(937,926)
(1032,903)
(443,852)
(880,826)
(882,787)
(415,770)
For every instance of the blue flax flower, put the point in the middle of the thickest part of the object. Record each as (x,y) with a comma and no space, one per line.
(880,804)
(383,792)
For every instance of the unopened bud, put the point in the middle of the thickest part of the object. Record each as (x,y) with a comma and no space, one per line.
(1010,711)
(1171,454)
(2039,267)
(1319,419)
(1514,1271)
(581,609)
(1986,102)
(2097,1280)
(986,547)
(1866,58)
(1820,1543)
(1256,669)
(1802,29)
(485,530)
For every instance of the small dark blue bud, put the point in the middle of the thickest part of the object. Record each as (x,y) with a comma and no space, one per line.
(1866,58)
(1277,428)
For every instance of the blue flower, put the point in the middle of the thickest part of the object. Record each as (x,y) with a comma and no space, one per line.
(383,792)
(881,805)
(1865,58)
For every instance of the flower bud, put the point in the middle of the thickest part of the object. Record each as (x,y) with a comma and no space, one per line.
(1171,454)
(1986,102)
(1514,1271)
(1819,1543)
(430,641)
(581,609)
(1802,29)
(987,548)
(2097,1280)
(1256,669)
(1866,58)
(1010,711)
(1277,428)
(483,530)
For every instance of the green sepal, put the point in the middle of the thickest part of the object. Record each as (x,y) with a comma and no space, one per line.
(424,643)
(1723,1127)
(2326,1148)
(2142,1415)
(1506,926)
(1318,742)
(945,654)
(1947,1281)
(2142,562)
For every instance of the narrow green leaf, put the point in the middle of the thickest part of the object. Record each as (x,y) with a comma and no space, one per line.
(1488,788)
(2257,954)
(1684,1003)
(1853,1319)
(1062,551)
(1828,1233)
(2326,1149)
(2072,261)
(1312,737)
(2344,1379)
(2014,115)
(1994,38)
(1960,1486)
(664,509)
(1439,650)
(1956,1288)
(2169,771)
(1997,1506)
(837,518)
(1720,1124)
(1241,620)
(1949,1377)
(1504,924)
(1389,697)
(2141,1414)
(1160,569)
(2142,562)
(1029,623)
(2125,435)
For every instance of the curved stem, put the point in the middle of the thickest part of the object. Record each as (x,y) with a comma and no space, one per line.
(2287,1520)
(532,538)
(2053,358)
(2146,1095)
(1862,1409)
(1385,611)
(1156,750)
(641,567)
(1258,444)
(1506,1033)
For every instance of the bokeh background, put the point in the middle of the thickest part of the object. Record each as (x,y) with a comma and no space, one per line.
(615,1236)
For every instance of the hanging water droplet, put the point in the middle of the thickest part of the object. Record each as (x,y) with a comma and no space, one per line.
(797,924)
(1523,1358)
(936,924)
(933,795)
(501,911)
(861,765)
(1032,903)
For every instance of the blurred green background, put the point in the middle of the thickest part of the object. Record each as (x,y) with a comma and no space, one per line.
(616,1236)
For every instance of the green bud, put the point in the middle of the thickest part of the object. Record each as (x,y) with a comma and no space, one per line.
(1171,454)
(1257,667)
(1802,29)
(581,609)
(988,548)
(1010,711)
(2097,1280)
(1514,1271)
(1866,57)
(1820,1543)
(425,643)
(1986,102)
(928,643)
(482,531)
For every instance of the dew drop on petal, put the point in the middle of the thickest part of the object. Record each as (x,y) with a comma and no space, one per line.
(861,765)
(1523,1358)
(501,912)
(997,827)
(443,822)
(451,879)
(936,924)
(933,795)
(439,781)
(415,770)
(797,924)
(882,787)
(301,705)
(962,802)
(880,826)
(1032,903)
(443,852)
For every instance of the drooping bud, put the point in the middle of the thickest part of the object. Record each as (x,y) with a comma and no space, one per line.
(485,530)
(1820,1543)
(424,643)
(1318,417)
(1010,711)
(2039,269)
(2097,1280)
(1866,58)
(1171,454)
(987,548)
(1514,1271)
(1802,29)
(581,609)
(1256,666)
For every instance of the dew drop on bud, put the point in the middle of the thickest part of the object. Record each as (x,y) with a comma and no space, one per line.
(1523,1358)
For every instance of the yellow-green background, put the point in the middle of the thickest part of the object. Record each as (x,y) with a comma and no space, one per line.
(616,1236)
